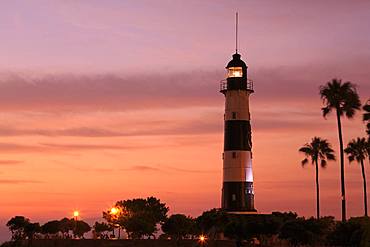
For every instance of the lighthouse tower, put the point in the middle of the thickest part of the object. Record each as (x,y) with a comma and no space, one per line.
(237,189)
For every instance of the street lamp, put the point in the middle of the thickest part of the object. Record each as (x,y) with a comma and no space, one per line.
(75,216)
(115,212)
(202,240)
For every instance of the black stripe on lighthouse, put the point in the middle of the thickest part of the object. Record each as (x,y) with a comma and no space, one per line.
(238,196)
(238,135)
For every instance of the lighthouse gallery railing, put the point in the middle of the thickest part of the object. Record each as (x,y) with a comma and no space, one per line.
(223,85)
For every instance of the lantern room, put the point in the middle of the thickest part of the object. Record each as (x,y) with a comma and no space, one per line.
(235,72)
(236,68)
(236,76)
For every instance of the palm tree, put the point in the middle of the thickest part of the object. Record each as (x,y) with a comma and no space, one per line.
(358,150)
(343,98)
(318,149)
(366,116)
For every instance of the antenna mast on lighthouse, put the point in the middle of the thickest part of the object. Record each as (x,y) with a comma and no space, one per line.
(236,32)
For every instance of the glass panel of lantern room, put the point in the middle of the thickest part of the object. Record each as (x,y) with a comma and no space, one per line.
(235,72)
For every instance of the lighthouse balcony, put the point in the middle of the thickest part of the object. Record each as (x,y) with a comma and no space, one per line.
(236,85)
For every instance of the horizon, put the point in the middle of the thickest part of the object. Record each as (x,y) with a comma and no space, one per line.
(126,104)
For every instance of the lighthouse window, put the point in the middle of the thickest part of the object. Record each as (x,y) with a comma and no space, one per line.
(233,197)
(235,72)
(234,115)
(234,155)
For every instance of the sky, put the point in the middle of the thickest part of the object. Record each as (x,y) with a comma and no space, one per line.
(109,100)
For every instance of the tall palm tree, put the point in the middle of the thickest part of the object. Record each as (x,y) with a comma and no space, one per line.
(343,98)
(358,150)
(366,117)
(318,149)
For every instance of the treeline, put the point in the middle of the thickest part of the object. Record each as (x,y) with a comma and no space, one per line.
(144,218)
(22,228)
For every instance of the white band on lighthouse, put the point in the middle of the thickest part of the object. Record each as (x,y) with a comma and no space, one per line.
(237,105)
(237,166)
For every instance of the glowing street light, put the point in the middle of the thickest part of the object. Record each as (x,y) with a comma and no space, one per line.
(114,211)
(202,239)
(76,214)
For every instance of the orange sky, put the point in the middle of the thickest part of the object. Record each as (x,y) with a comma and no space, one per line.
(126,104)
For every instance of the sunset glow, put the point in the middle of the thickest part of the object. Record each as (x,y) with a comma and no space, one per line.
(102,101)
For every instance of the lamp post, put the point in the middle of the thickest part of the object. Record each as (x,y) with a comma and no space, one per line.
(114,212)
(75,217)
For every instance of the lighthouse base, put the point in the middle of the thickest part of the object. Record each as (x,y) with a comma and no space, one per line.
(238,197)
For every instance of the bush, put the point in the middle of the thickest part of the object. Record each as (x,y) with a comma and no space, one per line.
(179,226)
(354,232)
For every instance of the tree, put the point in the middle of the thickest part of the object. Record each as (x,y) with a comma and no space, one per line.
(358,150)
(212,222)
(65,226)
(354,232)
(249,227)
(178,226)
(81,227)
(17,227)
(101,229)
(31,229)
(51,228)
(366,117)
(239,229)
(318,149)
(311,232)
(343,98)
(140,217)
(112,216)
(283,217)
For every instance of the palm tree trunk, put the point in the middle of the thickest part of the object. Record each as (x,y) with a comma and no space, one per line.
(317,191)
(365,193)
(343,189)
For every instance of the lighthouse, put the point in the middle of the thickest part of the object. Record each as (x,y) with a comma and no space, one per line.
(237,188)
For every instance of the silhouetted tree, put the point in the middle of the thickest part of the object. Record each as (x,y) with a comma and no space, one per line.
(239,229)
(140,217)
(113,218)
(179,226)
(343,98)
(101,229)
(354,232)
(261,226)
(212,222)
(357,150)
(66,226)
(309,232)
(283,217)
(51,228)
(17,227)
(81,227)
(318,150)
(366,117)
(31,229)
(267,226)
